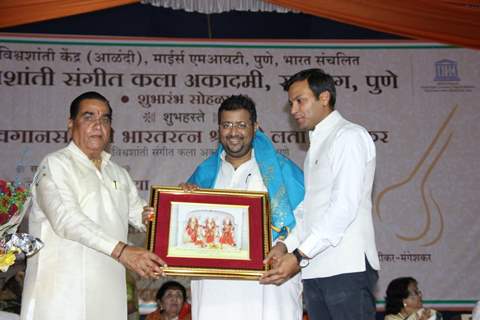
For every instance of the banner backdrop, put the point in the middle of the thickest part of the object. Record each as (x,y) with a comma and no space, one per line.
(419,101)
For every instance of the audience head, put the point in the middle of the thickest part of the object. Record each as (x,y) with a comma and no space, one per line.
(403,296)
(170,297)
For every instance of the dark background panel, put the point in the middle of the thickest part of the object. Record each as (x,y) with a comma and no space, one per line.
(137,20)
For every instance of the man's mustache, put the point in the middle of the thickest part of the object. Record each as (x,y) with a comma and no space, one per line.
(235,136)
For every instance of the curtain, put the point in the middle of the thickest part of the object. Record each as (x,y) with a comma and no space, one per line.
(17,12)
(454,22)
(217,6)
(448,21)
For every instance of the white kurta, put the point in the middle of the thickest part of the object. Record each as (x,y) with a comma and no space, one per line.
(335,228)
(80,213)
(245,299)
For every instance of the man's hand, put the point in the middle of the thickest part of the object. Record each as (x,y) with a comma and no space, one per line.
(139,260)
(147,215)
(283,269)
(188,187)
(278,251)
(149,212)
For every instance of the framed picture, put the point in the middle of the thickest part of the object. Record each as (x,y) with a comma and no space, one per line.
(210,233)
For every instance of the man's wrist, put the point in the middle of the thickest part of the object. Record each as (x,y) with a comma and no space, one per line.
(302,260)
(121,251)
(118,250)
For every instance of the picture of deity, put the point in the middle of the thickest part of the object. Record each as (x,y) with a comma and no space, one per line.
(209,229)
(210,232)
(228,233)
(192,232)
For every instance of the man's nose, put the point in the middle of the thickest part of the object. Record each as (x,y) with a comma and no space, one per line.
(293,108)
(235,129)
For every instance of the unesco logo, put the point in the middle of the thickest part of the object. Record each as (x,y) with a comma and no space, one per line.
(446,70)
(446,78)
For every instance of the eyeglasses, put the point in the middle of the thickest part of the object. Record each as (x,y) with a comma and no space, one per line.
(241,125)
(416,293)
(105,120)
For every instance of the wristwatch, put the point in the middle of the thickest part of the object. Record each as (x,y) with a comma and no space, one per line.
(301,260)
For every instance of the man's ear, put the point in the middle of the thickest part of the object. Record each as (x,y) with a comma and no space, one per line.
(255,126)
(324,98)
(69,124)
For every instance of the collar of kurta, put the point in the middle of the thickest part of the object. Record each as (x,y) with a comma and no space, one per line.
(325,125)
(84,158)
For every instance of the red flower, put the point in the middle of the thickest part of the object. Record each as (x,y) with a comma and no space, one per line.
(12,210)
(4,219)
(12,198)
(3,186)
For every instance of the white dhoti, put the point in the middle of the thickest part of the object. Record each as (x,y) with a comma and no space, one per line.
(246,299)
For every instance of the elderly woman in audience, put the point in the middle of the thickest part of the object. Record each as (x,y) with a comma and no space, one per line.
(172,303)
(404,302)
(476,311)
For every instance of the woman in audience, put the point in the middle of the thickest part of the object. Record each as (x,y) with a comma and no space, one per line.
(404,302)
(476,312)
(172,303)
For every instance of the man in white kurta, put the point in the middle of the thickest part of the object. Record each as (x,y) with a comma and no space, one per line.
(334,241)
(236,166)
(82,205)
(245,299)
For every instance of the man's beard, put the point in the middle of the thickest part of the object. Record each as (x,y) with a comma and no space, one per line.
(242,151)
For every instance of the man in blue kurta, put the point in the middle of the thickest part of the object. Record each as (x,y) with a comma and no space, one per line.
(247,160)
